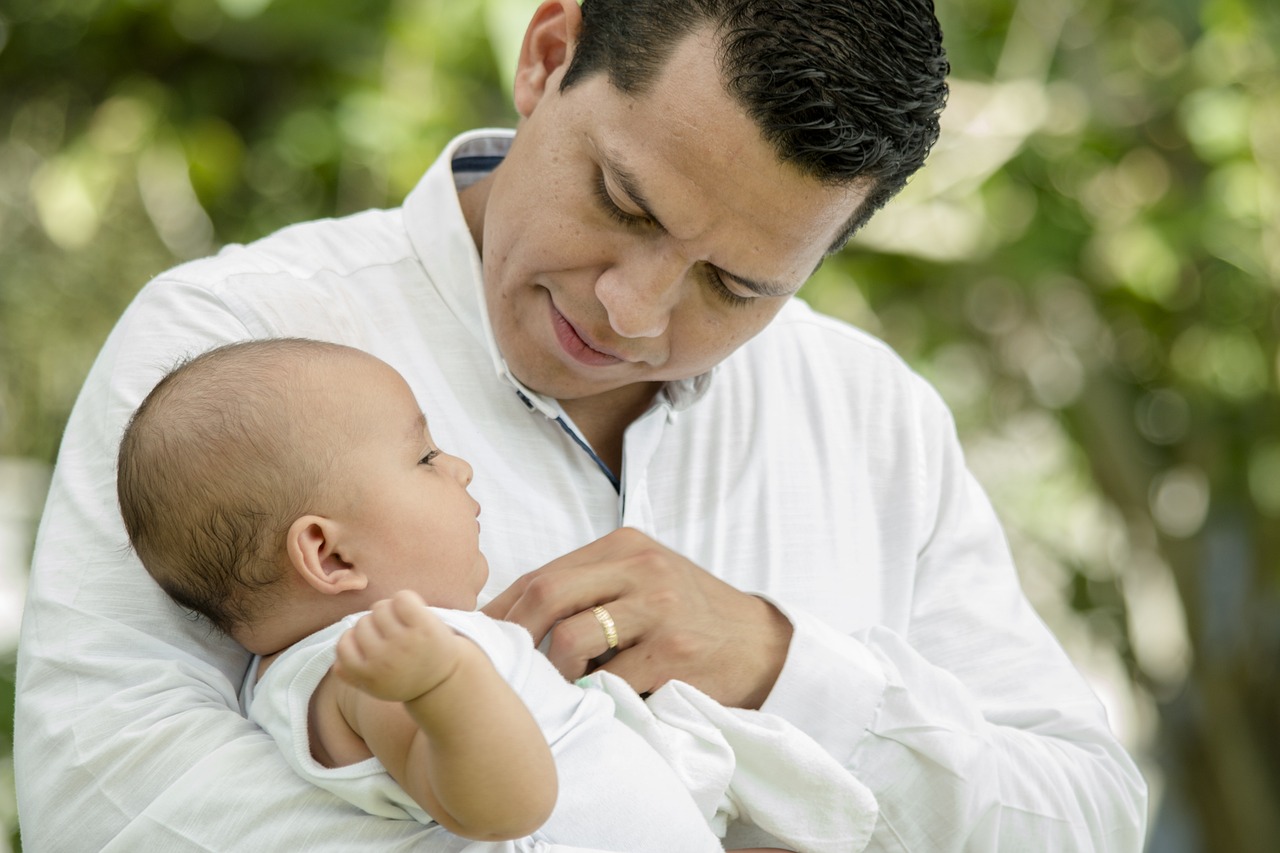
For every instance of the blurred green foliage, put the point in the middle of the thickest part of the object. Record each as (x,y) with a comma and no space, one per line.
(1089,269)
(135,134)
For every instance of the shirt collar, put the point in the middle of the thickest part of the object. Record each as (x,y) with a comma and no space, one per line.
(439,234)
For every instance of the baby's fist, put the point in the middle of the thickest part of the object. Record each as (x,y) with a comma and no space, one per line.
(399,651)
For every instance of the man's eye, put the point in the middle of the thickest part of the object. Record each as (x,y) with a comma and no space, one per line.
(720,289)
(426,460)
(616,213)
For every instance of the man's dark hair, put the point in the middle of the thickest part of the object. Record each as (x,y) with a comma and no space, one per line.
(842,89)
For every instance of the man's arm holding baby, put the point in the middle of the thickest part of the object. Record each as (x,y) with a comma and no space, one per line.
(430,705)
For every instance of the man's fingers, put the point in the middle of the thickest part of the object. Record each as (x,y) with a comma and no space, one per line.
(673,620)
(501,604)
(636,667)
(606,550)
(551,596)
(581,638)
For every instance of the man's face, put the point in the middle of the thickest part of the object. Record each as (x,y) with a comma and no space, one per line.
(628,241)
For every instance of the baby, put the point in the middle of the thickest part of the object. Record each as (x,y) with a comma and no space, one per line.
(290,492)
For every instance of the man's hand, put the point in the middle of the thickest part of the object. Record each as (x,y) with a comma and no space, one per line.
(673,620)
(399,651)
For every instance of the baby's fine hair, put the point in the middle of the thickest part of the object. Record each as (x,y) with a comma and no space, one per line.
(213,468)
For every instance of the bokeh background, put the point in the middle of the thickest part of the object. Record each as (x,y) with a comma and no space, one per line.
(1088,268)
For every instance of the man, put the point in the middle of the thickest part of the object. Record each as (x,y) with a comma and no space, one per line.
(597,314)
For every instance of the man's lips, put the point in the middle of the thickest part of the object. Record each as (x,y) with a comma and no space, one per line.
(578,346)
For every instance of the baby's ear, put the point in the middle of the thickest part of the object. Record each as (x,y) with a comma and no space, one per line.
(313,550)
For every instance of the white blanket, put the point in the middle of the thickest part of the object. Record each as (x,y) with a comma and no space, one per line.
(750,767)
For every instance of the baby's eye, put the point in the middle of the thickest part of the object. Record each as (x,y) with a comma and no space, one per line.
(426,460)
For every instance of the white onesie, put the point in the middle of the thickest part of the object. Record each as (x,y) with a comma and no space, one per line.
(663,791)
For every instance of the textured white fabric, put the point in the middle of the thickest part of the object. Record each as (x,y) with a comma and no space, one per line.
(813,467)
(616,792)
(748,766)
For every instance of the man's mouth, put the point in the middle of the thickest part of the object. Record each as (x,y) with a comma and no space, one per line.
(578,346)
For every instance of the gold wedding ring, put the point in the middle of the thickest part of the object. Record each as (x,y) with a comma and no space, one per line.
(606,622)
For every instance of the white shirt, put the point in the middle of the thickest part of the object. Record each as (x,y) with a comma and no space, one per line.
(812,467)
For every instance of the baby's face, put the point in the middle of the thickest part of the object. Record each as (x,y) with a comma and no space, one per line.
(408,520)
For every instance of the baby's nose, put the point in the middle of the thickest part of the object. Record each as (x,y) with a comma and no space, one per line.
(461,469)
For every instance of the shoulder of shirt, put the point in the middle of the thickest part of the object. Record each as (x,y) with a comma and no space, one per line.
(807,346)
(341,246)
(801,327)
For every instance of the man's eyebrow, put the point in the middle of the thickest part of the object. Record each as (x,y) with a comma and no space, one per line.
(628,183)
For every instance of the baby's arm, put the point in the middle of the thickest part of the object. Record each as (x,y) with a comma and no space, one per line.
(430,705)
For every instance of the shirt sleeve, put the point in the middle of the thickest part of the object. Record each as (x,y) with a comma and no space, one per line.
(972,727)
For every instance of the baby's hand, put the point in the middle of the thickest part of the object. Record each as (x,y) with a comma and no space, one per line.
(399,651)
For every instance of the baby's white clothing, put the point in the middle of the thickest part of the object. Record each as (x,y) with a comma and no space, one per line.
(662,787)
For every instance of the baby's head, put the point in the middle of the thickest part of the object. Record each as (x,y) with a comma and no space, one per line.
(273,486)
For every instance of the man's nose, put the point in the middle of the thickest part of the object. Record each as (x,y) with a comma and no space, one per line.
(640,293)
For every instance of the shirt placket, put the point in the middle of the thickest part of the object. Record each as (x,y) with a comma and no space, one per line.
(640,446)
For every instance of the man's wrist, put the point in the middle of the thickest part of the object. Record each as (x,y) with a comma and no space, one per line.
(831,686)
(776,642)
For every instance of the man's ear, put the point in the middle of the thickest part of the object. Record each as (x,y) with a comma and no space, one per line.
(312,545)
(548,45)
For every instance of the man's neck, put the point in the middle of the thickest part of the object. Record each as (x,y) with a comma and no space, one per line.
(472,200)
(603,419)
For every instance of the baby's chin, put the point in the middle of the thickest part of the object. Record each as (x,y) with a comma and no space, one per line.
(482,576)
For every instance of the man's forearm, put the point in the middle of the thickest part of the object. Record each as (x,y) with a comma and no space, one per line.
(950,773)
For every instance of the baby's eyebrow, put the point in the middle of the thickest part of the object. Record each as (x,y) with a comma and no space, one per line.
(418,428)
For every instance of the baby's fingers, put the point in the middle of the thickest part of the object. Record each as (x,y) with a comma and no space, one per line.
(407,609)
(350,664)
